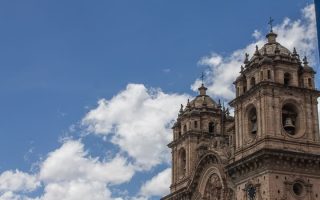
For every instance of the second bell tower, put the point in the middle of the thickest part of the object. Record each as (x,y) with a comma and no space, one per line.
(276,123)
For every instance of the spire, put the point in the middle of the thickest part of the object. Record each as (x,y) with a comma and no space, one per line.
(294,52)
(181,109)
(188,104)
(271,36)
(257,53)
(246,60)
(305,61)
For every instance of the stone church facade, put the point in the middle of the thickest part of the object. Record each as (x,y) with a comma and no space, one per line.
(269,150)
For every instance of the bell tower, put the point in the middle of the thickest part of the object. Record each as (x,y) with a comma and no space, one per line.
(199,136)
(277,151)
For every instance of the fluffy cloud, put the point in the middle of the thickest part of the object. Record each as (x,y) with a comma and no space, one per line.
(71,162)
(18,181)
(140,122)
(223,71)
(75,190)
(68,173)
(158,185)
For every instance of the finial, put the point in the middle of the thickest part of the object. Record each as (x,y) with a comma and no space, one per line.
(257,53)
(270,23)
(271,35)
(246,60)
(305,61)
(241,69)
(294,51)
(181,109)
(202,89)
(219,103)
(188,104)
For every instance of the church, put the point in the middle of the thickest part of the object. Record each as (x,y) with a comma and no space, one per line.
(269,149)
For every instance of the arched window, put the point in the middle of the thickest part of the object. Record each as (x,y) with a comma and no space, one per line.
(244,84)
(269,74)
(185,128)
(290,118)
(252,121)
(182,165)
(287,79)
(195,124)
(252,82)
(211,127)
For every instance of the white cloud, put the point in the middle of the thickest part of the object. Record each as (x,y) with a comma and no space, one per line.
(140,121)
(75,190)
(223,71)
(69,173)
(256,34)
(71,162)
(158,185)
(18,181)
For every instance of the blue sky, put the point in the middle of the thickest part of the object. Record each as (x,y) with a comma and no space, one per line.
(65,67)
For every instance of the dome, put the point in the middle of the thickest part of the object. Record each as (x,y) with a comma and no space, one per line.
(272,49)
(308,69)
(202,100)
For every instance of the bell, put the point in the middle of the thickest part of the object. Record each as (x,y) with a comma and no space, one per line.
(289,126)
(254,128)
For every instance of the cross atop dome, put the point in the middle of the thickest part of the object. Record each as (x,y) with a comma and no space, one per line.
(271,36)
(202,89)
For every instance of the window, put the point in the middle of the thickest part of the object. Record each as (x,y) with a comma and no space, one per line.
(211,127)
(287,79)
(309,82)
(195,124)
(269,74)
(261,76)
(252,81)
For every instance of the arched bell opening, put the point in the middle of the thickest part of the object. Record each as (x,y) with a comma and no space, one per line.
(182,164)
(252,121)
(290,119)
